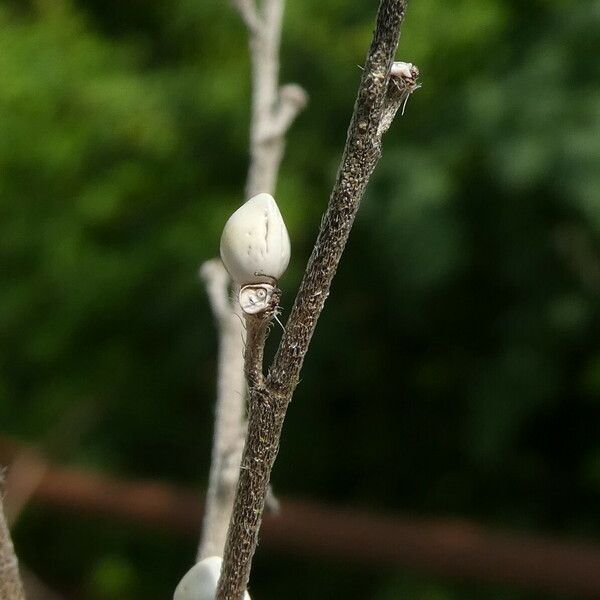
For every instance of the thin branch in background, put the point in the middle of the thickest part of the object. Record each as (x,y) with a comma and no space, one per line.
(377,102)
(11,586)
(450,548)
(29,467)
(249,13)
(25,474)
(35,588)
(27,471)
(274,109)
(230,409)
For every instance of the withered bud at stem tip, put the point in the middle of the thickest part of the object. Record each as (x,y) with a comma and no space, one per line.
(407,74)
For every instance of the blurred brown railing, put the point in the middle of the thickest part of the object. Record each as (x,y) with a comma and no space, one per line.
(453,548)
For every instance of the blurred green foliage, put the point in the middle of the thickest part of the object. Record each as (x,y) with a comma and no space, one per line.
(456,369)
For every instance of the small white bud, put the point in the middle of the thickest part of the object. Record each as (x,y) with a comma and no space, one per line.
(255,246)
(200,582)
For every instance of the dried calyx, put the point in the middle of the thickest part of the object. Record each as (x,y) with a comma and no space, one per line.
(255,249)
(405,70)
(256,298)
(403,82)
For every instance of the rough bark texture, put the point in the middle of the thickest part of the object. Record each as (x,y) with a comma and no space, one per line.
(274,109)
(361,154)
(11,587)
(257,329)
(268,400)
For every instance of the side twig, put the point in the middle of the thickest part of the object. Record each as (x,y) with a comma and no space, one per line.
(268,399)
(274,109)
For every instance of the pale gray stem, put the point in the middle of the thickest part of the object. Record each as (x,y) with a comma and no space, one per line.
(269,397)
(230,427)
(11,587)
(249,13)
(274,109)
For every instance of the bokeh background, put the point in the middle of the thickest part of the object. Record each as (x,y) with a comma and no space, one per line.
(456,369)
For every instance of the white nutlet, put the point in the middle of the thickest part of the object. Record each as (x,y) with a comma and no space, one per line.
(255,245)
(200,582)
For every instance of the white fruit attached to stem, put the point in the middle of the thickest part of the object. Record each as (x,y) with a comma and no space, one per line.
(200,582)
(255,245)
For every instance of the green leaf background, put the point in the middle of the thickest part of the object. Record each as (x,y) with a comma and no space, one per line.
(456,368)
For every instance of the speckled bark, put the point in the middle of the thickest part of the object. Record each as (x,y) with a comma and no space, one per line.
(361,154)
(11,587)
(257,329)
(269,398)
(265,422)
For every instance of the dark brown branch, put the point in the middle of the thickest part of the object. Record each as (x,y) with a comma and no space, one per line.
(268,403)
(265,422)
(361,154)
(257,329)
(454,548)
(256,335)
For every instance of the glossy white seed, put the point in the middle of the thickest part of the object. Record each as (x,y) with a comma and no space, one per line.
(255,245)
(200,582)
